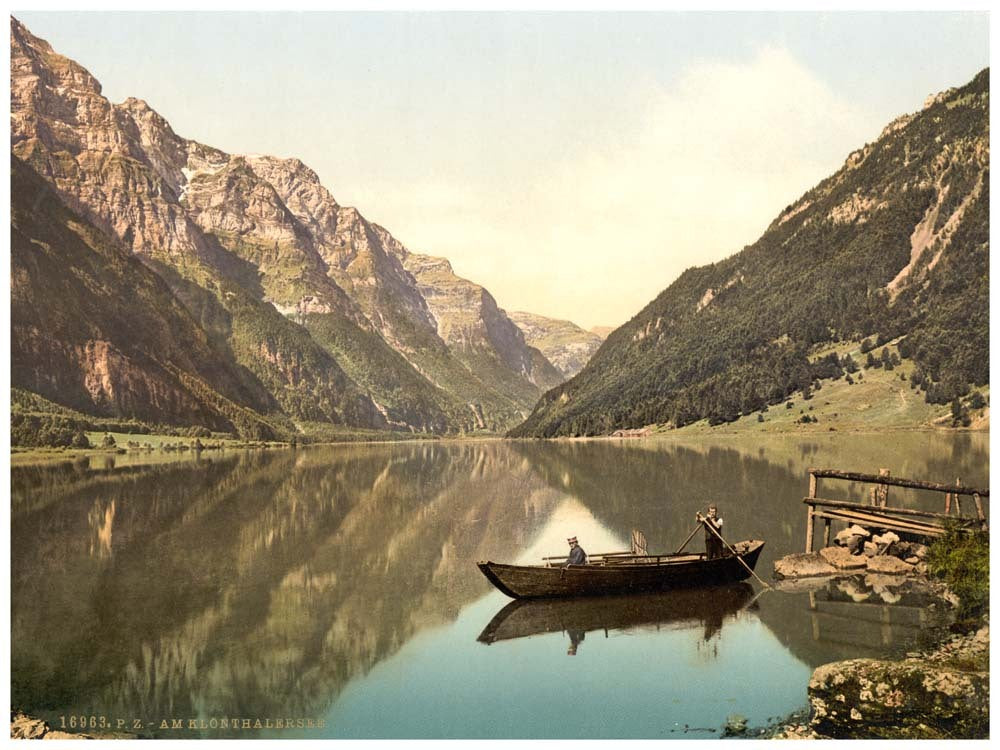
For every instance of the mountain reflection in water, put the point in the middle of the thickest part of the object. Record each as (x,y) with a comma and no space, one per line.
(322,582)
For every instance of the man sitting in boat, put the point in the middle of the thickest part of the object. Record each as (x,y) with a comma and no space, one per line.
(713,544)
(576,554)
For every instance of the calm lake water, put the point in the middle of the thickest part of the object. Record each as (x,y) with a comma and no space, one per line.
(338,586)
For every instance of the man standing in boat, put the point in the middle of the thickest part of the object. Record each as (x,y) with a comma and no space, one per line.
(712,521)
(576,554)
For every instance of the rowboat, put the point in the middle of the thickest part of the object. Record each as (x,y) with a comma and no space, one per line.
(683,608)
(623,574)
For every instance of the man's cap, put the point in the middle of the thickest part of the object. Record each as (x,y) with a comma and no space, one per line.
(572,540)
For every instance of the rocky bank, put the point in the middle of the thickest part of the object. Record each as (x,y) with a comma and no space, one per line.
(23,727)
(940,694)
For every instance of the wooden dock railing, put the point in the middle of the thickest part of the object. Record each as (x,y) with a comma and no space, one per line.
(879,514)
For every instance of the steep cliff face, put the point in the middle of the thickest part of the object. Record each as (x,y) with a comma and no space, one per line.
(262,235)
(479,333)
(895,245)
(564,344)
(76,339)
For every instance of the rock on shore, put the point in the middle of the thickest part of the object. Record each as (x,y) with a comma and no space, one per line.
(884,558)
(942,694)
(24,727)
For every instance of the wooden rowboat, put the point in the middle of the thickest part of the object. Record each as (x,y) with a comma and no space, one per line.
(623,574)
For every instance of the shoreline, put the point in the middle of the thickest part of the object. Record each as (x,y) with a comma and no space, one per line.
(29,456)
(940,692)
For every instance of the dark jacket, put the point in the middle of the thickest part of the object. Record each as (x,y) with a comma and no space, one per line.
(577,556)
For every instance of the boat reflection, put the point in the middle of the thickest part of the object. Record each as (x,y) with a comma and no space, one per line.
(681,608)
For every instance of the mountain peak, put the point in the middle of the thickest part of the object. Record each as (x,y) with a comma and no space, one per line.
(29,53)
(295,286)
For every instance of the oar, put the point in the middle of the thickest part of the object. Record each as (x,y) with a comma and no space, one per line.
(690,536)
(712,528)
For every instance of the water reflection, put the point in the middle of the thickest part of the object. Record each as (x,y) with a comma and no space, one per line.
(285,583)
(705,609)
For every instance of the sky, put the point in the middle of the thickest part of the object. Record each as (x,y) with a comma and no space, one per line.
(574,164)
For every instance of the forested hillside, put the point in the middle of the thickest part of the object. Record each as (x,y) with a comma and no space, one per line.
(894,245)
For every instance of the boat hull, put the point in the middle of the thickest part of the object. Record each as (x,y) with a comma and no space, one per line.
(536,581)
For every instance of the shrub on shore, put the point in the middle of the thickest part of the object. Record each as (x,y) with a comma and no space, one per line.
(963,562)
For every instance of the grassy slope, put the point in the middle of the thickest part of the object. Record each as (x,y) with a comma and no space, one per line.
(879,400)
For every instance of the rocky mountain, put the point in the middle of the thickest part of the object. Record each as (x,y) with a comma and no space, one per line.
(564,344)
(287,283)
(77,340)
(892,247)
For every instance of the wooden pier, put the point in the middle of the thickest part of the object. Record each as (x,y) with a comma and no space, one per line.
(878,514)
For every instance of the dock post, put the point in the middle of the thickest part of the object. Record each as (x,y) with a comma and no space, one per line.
(813,487)
(979,507)
(883,489)
(826,533)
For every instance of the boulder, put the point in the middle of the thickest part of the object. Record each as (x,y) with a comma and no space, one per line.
(736,725)
(914,698)
(889,565)
(853,530)
(842,559)
(851,537)
(23,727)
(885,539)
(802,565)
(871,549)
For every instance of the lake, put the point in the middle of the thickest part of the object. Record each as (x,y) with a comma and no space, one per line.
(334,589)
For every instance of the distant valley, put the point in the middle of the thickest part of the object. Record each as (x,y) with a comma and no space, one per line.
(161,284)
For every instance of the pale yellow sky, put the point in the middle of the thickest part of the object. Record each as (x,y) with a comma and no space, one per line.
(573,164)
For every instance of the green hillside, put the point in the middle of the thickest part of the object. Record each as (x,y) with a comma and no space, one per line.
(895,245)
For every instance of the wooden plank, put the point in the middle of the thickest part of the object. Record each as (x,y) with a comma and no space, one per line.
(826,533)
(859,506)
(877,516)
(879,522)
(897,482)
(874,519)
(597,554)
(883,523)
(809,529)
